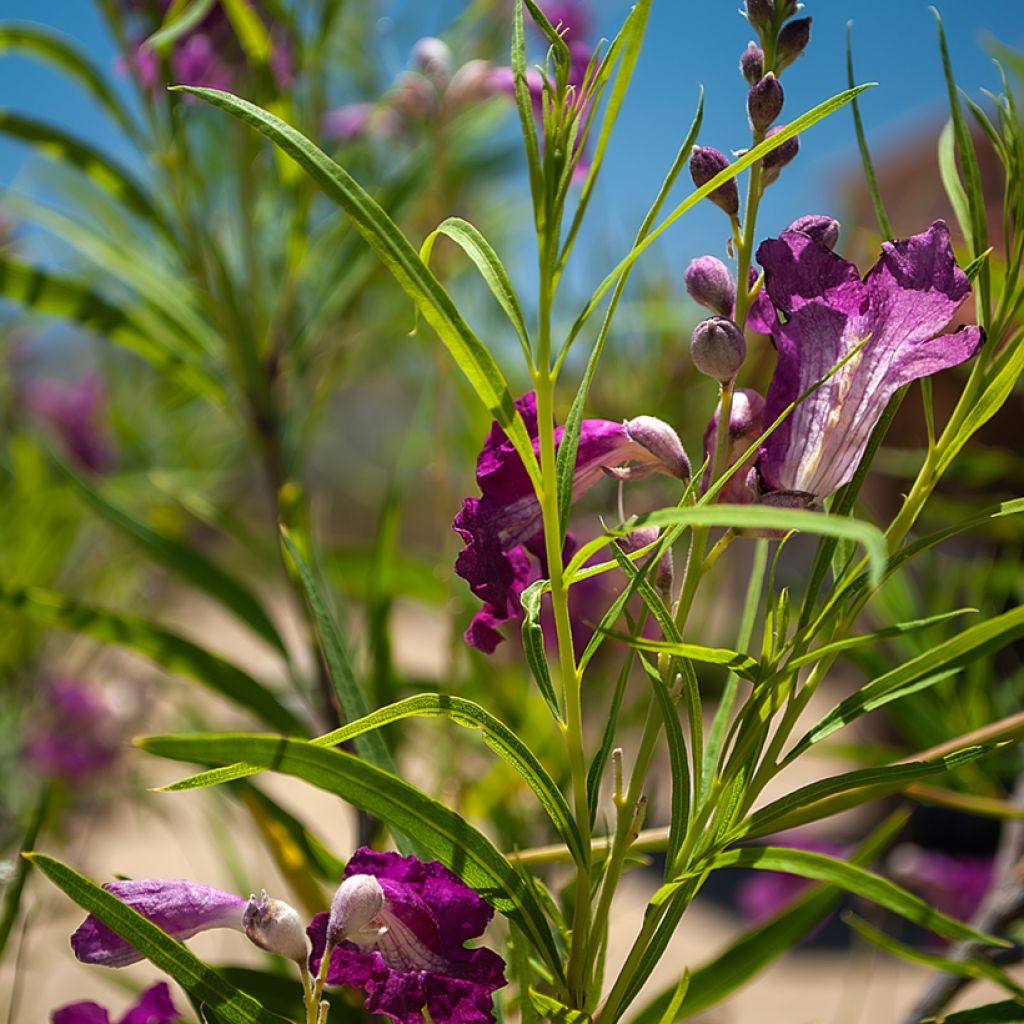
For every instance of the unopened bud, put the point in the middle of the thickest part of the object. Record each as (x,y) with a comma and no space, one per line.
(746,419)
(793,40)
(413,95)
(710,283)
(432,58)
(774,161)
(764,102)
(472,83)
(705,163)
(752,63)
(662,442)
(816,226)
(275,926)
(357,901)
(761,15)
(664,575)
(638,539)
(718,348)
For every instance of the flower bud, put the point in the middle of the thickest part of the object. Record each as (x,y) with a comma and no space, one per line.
(764,102)
(275,926)
(793,40)
(470,84)
(662,442)
(357,901)
(413,95)
(773,163)
(705,163)
(752,63)
(432,58)
(746,421)
(823,230)
(761,15)
(718,348)
(710,283)
(638,539)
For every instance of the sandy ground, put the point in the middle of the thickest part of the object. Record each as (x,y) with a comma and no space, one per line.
(203,837)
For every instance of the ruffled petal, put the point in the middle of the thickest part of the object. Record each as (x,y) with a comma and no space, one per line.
(798,270)
(80,1013)
(180,908)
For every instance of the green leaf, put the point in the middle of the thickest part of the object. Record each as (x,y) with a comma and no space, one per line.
(866,639)
(976,967)
(759,946)
(498,736)
(51,294)
(492,270)
(170,651)
(741,664)
(870,783)
(946,658)
(106,173)
(14,886)
(401,260)
(188,562)
(63,52)
(200,980)
(862,144)
(339,662)
(680,814)
(443,834)
(1009,1012)
(182,17)
(950,175)
(533,646)
(555,1011)
(852,878)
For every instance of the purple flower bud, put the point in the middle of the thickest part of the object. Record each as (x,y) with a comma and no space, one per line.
(710,283)
(433,59)
(761,15)
(718,348)
(705,163)
(752,63)
(773,163)
(764,102)
(472,83)
(662,442)
(638,539)
(413,95)
(275,926)
(823,230)
(746,420)
(793,40)
(356,904)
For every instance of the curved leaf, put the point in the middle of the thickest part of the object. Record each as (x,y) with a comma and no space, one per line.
(442,833)
(169,650)
(401,260)
(197,978)
(498,736)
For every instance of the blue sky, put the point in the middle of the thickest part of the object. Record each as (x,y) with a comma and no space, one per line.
(689,42)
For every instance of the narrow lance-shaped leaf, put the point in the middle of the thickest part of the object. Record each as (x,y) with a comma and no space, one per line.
(197,978)
(496,734)
(167,649)
(443,834)
(401,260)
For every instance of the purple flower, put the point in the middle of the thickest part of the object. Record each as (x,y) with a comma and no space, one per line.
(897,312)
(505,523)
(573,17)
(75,736)
(154,1007)
(75,412)
(180,908)
(400,926)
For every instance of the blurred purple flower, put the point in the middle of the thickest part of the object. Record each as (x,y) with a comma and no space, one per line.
(505,523)
(180,908)
(75,735)
(897,311)
(154,1006)
(572,16)
(763,894)
(74,410)
(953,883)
(400,926)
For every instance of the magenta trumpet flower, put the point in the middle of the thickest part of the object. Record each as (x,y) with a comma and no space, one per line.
(893,318)
(504,525)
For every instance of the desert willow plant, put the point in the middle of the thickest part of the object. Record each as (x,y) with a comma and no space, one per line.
(792,460)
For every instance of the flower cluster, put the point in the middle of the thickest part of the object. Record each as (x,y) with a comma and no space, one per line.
(397,929)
